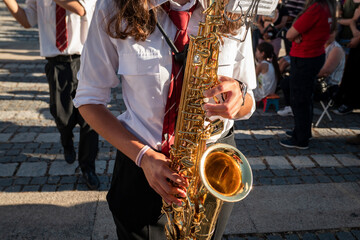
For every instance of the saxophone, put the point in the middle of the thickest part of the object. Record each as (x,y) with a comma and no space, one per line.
(215,174)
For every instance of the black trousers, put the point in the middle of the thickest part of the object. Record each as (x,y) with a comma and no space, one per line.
(285,87)
(350,84)
(61,76)
(302,78)
(136,207)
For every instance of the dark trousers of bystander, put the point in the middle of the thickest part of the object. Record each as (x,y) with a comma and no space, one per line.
(136,207)
(285,87)
(350,84)
(61,74)
(302,78)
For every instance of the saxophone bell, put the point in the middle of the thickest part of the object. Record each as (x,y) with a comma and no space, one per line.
(225,172)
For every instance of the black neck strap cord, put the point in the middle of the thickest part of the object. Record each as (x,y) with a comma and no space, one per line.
(179,56)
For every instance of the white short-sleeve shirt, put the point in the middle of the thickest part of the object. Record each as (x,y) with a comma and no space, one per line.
(145,69)
(43,13)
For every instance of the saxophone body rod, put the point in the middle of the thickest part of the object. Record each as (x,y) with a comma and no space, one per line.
(215,174)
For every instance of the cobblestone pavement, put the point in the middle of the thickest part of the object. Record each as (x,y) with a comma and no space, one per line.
(31,157)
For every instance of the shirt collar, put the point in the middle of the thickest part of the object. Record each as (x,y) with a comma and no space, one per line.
(155,3)
(177,7)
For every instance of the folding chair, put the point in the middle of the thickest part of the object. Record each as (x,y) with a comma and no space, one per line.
(326,101)
(325,111)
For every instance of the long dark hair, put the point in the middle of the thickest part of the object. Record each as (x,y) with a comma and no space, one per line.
(134,19)
(268,50)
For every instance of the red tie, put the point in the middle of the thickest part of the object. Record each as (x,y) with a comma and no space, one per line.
(181,21)
(61,30)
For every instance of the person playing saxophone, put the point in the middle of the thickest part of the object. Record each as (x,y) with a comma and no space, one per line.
(124,41)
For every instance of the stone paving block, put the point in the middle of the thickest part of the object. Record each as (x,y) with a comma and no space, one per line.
(345,236)
(256,163)
(68,179)
(324,179)
(343,131)
(32,169)
(325,160)
(243,134)
(7,115)
(49,215)
(31,188)
(7,169)
(100,166)
(300,207)
(356,233)
(49,188)
(326,236)
(309,236)
(39,180)
(14,189)
(301,161)
(59,168)
(45,115)
(278,162)
(17,74)
(111,166)
(262,134)
(325,132)
(24,115)
(348,159)
(47,137)
(22,181)
(4,137)
(24,137)
(292,237)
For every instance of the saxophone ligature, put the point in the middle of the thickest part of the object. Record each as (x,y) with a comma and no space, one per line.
(220,172)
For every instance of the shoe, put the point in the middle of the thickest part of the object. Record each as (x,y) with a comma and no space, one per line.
(287,111)
(291,133)
(354,140)
(70,155)
(343,109)
(92,181)
(289,143)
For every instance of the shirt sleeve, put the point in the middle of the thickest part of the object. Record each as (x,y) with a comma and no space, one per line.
(245,69)
(99,62)
(89,6)
(31,12)
(307,20)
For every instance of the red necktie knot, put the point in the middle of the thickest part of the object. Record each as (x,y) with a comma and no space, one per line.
(180,19)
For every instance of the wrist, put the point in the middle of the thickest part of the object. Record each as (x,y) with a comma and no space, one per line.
(140,155)
(243,88)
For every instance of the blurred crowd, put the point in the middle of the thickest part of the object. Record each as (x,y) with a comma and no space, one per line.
(296,26)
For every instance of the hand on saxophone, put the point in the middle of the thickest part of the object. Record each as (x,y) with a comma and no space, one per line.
(232,107)
(156,167)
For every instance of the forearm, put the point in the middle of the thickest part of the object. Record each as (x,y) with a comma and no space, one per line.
(323,73)
(110,128)
(345,21)
(292,34)
(72,5)
(17,12)
(355,32)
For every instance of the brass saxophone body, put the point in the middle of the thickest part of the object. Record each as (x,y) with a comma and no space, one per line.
(216,174)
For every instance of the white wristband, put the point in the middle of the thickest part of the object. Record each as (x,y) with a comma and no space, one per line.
(140,155)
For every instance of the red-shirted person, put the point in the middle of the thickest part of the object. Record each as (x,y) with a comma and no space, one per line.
(308,35)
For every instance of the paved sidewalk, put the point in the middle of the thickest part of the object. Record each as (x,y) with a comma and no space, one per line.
(297,194)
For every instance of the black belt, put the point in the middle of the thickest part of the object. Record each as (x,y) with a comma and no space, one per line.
(63,58)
